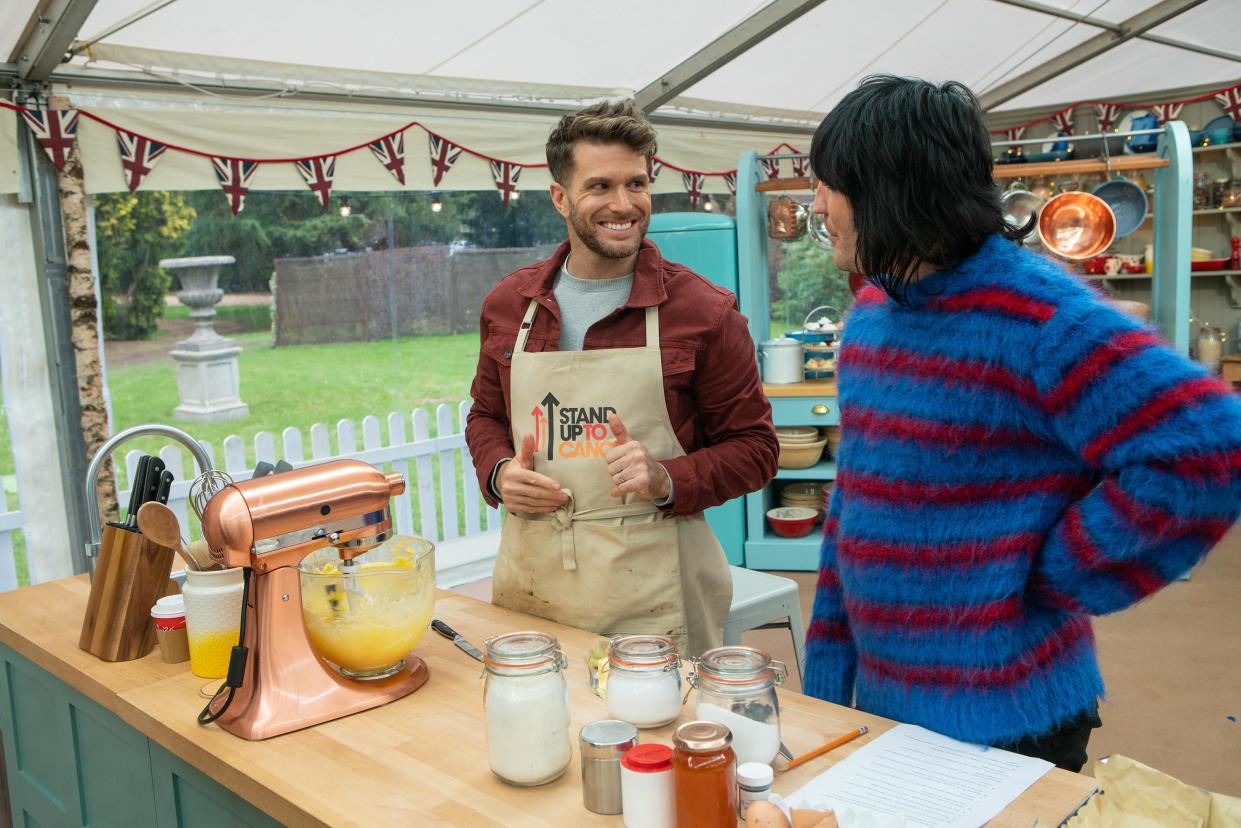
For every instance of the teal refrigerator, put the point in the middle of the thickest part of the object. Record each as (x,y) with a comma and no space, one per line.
(707,244)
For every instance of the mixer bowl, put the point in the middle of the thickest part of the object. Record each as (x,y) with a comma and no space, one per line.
(366,621)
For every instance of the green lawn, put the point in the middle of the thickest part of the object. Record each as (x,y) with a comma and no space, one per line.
(298,386)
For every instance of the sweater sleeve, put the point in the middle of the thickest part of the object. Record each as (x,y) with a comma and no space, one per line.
(1164,440)
(831,657)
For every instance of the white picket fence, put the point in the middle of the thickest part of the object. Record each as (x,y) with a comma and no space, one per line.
(10,523)
(451,514)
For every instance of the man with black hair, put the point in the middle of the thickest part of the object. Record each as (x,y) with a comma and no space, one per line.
(1017,455)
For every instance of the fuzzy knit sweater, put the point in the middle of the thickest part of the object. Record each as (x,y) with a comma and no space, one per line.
(1017,456)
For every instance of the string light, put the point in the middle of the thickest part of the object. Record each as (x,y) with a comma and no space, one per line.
(436,203)
(345,210)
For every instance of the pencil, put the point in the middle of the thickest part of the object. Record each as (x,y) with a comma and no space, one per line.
(832,745)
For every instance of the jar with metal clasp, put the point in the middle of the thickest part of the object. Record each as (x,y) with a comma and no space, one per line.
(527,708)
(737,688)
(644,680)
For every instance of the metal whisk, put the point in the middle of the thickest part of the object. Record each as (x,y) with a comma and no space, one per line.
(206,486)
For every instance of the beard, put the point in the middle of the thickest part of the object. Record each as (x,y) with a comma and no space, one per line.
(594,240)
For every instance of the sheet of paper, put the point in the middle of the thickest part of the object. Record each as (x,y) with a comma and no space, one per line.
(929,780)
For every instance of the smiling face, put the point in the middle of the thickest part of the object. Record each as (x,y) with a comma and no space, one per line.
(607,207)
(838,218)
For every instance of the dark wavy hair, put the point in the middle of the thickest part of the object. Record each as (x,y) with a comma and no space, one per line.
(914,160)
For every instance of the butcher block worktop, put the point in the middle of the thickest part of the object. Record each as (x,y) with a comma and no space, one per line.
(421,760)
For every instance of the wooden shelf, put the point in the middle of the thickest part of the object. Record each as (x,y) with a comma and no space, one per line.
(809,388)
(1120,277)
(823,470)
(778,185)
(1122,163)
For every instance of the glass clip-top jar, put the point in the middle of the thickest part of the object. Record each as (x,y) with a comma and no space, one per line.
(644,680)
(527,708)
(737,688)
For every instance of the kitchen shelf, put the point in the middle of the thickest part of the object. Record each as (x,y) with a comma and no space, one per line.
(1218,147)
(1209,211)
(807,388)
(779,185)
(769,551)
(1118,277)
(823,470)
(1122,163)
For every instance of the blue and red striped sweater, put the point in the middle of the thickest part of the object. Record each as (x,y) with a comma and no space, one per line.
(1017,455)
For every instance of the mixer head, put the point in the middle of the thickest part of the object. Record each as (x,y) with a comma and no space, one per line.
(275,521)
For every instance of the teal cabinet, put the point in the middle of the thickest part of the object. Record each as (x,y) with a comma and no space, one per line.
(70,763)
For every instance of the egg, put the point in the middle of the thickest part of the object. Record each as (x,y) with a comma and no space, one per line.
(806,818)
(763,814)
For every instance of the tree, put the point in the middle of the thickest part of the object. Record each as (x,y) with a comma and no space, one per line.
(809,278)
(134,231)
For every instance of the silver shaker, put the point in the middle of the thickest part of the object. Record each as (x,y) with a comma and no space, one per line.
(602,743)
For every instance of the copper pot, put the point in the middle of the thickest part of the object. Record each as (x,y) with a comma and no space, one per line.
(786,219)
(1076,225)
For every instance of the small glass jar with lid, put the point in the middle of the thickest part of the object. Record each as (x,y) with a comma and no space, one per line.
(644,680)
(527,708)
(704,774)
(1210,347)
(737,688)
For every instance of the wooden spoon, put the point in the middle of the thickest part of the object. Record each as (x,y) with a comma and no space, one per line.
(159,523)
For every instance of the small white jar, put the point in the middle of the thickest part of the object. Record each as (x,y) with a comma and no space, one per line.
(212,618)
(527,708)
(754,780)
(644,680)
(647,792)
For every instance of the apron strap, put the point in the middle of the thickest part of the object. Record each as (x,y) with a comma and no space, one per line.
(652,326)
(527,323)
(566,514)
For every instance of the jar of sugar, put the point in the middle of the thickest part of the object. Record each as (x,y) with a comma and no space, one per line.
(644,680)
(527,708)
(737,688)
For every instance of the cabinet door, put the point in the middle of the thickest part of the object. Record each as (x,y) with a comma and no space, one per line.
(70,762)
(187,798)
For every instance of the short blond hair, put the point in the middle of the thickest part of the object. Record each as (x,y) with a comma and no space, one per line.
(610,122)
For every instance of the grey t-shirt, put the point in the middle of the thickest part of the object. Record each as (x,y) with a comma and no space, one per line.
(583,302)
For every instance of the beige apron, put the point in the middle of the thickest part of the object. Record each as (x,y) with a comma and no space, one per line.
(611,565)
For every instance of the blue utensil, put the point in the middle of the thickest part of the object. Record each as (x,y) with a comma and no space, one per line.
(1128,202)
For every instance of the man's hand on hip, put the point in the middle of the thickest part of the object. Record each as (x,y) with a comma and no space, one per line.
(632,467)
(522,489)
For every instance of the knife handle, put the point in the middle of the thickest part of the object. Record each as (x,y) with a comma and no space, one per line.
(444,630)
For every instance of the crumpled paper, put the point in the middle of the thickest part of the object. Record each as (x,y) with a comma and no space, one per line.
(847,816)
(1132,795)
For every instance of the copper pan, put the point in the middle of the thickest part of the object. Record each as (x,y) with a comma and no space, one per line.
(1076,225)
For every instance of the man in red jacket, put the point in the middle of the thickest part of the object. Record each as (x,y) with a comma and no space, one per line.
(616,398)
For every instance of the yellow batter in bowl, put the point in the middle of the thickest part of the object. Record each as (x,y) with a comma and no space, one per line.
(366,619)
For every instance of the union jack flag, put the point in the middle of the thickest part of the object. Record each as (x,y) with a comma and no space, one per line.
(139,155)
(771,166)
(55,130)
(1230,100)
(1015,133)
(318,173)
(1063,121)
(234,177)
(1107,114)
(693,186)
(1167,111)
(730,181)
(444,154)
(653,168)
(390,151)
(505,175)
(800,166)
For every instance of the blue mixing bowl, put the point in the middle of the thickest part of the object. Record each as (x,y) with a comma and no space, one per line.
(1128,202)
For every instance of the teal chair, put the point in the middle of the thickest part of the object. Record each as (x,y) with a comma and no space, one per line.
(762,602)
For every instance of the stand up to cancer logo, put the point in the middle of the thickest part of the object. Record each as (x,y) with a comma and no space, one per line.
(572,431)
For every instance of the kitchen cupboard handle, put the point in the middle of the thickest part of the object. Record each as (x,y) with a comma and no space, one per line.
(819,408)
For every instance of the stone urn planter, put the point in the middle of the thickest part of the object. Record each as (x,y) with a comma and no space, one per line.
(208,376)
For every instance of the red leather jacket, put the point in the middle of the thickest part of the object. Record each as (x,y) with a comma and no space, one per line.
(711,383)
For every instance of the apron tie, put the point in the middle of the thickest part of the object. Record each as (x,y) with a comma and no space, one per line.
(567,514)
(563,519)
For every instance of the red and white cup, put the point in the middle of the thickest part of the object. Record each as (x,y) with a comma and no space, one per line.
(169,617)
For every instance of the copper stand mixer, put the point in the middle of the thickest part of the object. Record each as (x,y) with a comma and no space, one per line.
(276,681)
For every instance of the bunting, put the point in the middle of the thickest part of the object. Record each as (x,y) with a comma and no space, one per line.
(1230,100)
(505,175)
(1015,133)
(139,156)
(234,177)
(730,181)
(801,165)
(1165,112)
(1063,121)
(1107,114)
(771,166)
(444,154)
(55,130)
(653,168)
(390,150)
(693,186)
(318,173)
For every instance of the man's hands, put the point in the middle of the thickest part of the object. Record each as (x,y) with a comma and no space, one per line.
(632,467)
(522,489)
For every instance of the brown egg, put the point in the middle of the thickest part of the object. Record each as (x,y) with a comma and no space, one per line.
(763,814)
(806,818)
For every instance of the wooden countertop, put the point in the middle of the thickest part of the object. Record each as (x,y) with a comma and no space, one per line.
(419,760)
(807,388)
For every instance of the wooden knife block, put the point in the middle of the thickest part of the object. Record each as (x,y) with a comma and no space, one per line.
(131,574)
